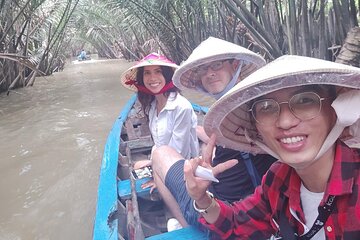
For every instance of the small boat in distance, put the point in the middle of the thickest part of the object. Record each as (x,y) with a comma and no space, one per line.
(124,210)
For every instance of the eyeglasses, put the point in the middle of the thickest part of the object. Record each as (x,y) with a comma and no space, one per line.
(304,106)
(215,66)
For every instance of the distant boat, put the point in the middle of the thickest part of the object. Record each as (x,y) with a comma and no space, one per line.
(124,210)
(87,57)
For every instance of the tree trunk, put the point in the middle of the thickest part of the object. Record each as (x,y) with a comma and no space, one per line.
(350,51)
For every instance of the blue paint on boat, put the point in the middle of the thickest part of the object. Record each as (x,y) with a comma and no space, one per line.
(188,233)
(199,108)
(124,188)
(107,197)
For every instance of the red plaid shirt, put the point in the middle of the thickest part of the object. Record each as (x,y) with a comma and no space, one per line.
(257,216)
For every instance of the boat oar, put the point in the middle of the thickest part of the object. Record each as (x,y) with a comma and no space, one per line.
(134,228)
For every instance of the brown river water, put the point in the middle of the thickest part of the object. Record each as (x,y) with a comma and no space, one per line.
(52,141)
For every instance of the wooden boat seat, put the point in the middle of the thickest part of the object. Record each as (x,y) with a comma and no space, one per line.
(138,135)
(181,234)
(137,128)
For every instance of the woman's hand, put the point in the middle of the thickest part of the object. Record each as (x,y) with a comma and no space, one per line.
(141,164)
(151,183)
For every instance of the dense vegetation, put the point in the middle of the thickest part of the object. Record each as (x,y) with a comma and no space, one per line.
(36,36)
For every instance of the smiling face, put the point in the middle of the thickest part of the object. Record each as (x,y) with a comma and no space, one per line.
(216,75)
(296,141)
(153,78)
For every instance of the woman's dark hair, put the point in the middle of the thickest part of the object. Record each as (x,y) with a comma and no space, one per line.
(145,98)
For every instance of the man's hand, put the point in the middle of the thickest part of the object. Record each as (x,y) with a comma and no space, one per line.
(196,186)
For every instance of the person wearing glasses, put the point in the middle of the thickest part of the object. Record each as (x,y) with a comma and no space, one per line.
(295,108)
(213,68)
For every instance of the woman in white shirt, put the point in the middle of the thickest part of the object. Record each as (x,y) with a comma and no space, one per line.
(172,120)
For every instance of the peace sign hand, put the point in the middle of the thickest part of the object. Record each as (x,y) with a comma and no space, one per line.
(196,186)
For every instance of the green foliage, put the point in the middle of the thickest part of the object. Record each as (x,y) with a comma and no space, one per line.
(47,31)
(271,28)
(33,30)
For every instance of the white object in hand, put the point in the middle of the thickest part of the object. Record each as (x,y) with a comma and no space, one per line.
(205,174)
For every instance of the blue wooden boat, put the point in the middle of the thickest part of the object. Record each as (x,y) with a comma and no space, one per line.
(124,210)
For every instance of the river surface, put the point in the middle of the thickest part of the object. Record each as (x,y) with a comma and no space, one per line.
(52,141)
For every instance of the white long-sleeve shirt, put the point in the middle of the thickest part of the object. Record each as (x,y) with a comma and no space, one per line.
(175,126)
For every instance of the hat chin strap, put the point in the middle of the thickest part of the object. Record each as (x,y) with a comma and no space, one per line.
(354,131)
(347,111)
(147,91)
(331,138)
(230,85)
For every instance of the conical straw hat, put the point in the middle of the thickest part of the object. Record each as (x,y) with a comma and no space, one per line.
(229,117)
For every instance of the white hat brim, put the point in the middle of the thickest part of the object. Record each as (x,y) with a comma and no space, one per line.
(229,116)
(214,49)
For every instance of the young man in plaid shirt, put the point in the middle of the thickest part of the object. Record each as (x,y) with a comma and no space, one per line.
(294,108)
